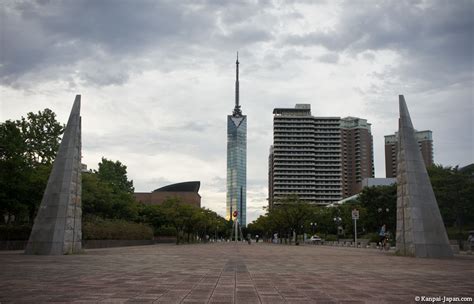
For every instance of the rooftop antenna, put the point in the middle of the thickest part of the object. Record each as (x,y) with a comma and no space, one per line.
(237,111)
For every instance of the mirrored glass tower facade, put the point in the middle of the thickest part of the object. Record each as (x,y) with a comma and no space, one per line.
(237,159)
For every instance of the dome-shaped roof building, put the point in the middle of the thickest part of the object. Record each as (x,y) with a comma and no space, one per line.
(186,192)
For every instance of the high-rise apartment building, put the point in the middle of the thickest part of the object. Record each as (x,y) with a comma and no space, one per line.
(328,166)
(237,159)
(306,158)
(319,159)
(357,154)
(270,177)
(425,142)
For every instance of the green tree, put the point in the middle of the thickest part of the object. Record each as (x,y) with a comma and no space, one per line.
(14,171)
(176,215)
(291,214)
(27,149)
(154,215)
(37,181)
(454,191)
(101,198)
(345,213)
(206,221)
(42,134)
(188,221)
(115,173)
(323,217)
(380,203)
(218,224)
(97,197)
(108,193)
(260,227)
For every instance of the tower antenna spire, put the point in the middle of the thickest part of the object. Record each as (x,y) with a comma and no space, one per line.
(237,111)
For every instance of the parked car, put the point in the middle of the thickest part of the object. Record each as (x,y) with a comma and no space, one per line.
(314,240)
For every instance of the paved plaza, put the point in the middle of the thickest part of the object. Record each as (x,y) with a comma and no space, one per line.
(229,273)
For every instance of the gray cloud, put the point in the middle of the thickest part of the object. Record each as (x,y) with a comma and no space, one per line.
(329,58)
(150,142)
(219,184)
(434,38)
(246,35)
(102,42)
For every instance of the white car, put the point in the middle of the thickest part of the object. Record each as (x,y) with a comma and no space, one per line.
(314,239)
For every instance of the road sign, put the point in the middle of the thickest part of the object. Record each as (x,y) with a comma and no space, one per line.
(355,214)
(236,213)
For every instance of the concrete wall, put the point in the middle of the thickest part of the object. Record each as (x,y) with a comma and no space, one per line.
(88,244)
(13,245)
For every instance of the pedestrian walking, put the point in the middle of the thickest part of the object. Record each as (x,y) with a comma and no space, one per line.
(470,241)
(382,234)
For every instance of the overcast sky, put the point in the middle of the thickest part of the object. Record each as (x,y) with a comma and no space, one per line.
(157,77)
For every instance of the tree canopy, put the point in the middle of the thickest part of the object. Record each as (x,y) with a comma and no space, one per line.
(42,134)
(454,191)
(188,221)
(453,188)
(27,149)
(115,174)
(107,192)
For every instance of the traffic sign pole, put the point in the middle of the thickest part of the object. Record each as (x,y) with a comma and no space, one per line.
(355,232)
(236,223)
(355,217)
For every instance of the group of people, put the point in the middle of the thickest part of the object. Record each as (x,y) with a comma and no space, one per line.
(384,239)
(249,238)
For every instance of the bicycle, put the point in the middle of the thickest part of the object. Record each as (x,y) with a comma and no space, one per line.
(385,244)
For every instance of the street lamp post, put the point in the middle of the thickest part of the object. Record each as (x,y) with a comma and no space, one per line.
(296,237)
(313,228)
(381,216)
(337,221)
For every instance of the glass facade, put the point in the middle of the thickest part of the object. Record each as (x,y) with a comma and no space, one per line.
(237,167)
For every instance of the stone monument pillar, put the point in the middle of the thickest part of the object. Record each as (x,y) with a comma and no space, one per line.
(420,228)
(57,227)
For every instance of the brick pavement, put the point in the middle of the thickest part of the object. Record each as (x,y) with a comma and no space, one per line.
(229,273)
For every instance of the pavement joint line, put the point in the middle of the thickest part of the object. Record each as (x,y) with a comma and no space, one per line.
(217,282)
(235,285)
(195,284)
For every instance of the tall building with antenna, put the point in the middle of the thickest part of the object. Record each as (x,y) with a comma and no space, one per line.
(237,158)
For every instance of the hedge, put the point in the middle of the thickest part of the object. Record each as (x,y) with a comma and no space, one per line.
(14,232)
(115,230)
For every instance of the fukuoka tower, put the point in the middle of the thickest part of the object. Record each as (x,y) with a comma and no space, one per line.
(237,159)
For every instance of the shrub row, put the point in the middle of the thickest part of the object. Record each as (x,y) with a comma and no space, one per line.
(115,230)
(165,231)
(14,232)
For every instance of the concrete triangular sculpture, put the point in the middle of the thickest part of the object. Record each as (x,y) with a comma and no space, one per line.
(57,227)
(420,228)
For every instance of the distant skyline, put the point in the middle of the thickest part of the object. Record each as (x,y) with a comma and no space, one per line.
(157,77)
